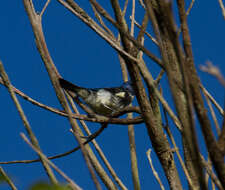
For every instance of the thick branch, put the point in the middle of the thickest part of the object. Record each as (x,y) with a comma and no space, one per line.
(214,151)
(153,125)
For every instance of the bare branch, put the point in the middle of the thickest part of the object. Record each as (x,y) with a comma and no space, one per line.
(213,114)
(213,70)
(97,15)
(92,137)
(134,48)
(222,8)
(125,33)
(131,132)
(125,7)
(142,4)
(148,153)
(153,123)
(221,140)
(190,7)
(7,179)
(33,138)
(212,146)
(54,75)
(169,133)
(44,8)
(74,8)
(211,174)
(70,181)
(149,35)
(212,99)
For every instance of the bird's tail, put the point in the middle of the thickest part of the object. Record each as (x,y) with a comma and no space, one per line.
(73,89)
(68,85)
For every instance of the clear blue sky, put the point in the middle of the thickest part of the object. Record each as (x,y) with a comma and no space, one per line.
(82,57)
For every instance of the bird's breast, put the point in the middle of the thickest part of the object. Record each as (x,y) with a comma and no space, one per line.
(103,97)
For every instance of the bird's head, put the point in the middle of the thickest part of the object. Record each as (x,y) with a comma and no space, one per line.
(128,86)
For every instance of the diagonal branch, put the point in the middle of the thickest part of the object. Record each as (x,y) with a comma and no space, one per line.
(44,8)
(26,123)
(73,185)
(36,24)
(7,179)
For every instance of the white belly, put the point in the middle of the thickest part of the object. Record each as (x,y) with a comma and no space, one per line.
(103,97)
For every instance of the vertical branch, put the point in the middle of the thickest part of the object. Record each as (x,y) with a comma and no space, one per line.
(177,151)
(221,140)
(154,127)
(212,146)
(131,133)
(160,13)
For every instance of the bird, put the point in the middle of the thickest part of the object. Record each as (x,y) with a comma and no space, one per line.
(102,101)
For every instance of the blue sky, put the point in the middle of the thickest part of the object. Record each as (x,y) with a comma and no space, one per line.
(82,57)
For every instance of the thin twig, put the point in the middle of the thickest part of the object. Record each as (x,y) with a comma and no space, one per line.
(131,133)
(219,108)
(187,13)
(113,42)
(132,39)
(51,157)
(159,77)
(190,7)
(149,35)
(148,153)
(211,174)
(7,179)
(213,114)
(132,18)
(222,7)
(97,15)
(221,139)
(125,7)
(70,181)
(90,139)
(213,70)
(207,175)
(142,3)
(44,8)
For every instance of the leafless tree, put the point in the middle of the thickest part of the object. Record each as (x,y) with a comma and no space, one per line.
(175,61)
